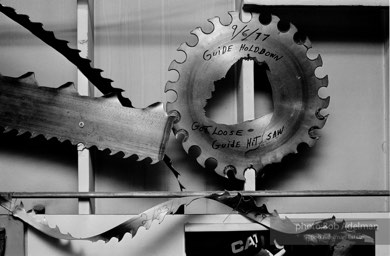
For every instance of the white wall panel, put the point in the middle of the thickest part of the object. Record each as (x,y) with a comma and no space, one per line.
(38,165)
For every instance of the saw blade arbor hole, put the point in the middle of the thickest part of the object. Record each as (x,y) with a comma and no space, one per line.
(226,88)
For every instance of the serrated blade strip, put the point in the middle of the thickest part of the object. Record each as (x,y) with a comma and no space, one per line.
(102,122)
(84,65)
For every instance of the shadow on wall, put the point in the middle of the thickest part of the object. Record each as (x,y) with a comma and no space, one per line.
(47,150)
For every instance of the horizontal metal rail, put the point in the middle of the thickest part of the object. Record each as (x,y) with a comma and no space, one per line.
(170,194)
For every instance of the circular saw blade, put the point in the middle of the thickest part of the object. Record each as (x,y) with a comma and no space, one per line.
(264,140)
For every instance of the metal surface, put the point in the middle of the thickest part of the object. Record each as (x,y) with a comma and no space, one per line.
(264,140)
(14,240)
(173,194)
(73,55)
(64,114)
(3,239)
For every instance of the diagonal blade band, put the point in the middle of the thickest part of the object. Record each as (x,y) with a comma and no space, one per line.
(64,114)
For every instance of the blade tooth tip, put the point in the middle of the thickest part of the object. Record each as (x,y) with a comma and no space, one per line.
(318,61)
(113,152)
(325,81)
(170,86)
(184,133)
(216,22)
(183,47)
(198,32)
(20,132)
(7,129)
(274,19)
(112,99)
(68,87)
(139,158)
(233,15)
(28,78)
(175,65)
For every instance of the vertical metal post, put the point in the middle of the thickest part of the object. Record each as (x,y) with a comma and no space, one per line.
(85,45)
(245,98)
(386,145)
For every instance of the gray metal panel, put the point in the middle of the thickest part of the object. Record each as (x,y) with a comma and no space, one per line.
(14,236)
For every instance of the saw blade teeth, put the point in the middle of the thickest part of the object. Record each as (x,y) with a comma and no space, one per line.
(324,81)
(184,48)
(152,161)
(198,32)
(48,136)
(182,133)
(68,87)
(279,156)
(233,15)
(317,61)
(313,134)
(309,137)
(73,142)
(60,139)
(324,102)
(307,43)
(195,151)
(7,129)
(20,132)
(155,107)
(216,21)
(112,152)
(292,30)
(321,117)
(87,145)
(318,119)
(175,66)
(172,97)
(170,86)
(28,78)
(255,16)
(126,155)
(229,170)
(112,99)
(176,116)
(300,39)
(211,163)
(266,160)
(292,149)
(265,19)
(33,135)
(274,20)
(100,148)
(139,158)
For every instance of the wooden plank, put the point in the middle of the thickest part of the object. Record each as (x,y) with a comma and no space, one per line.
(85,45)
